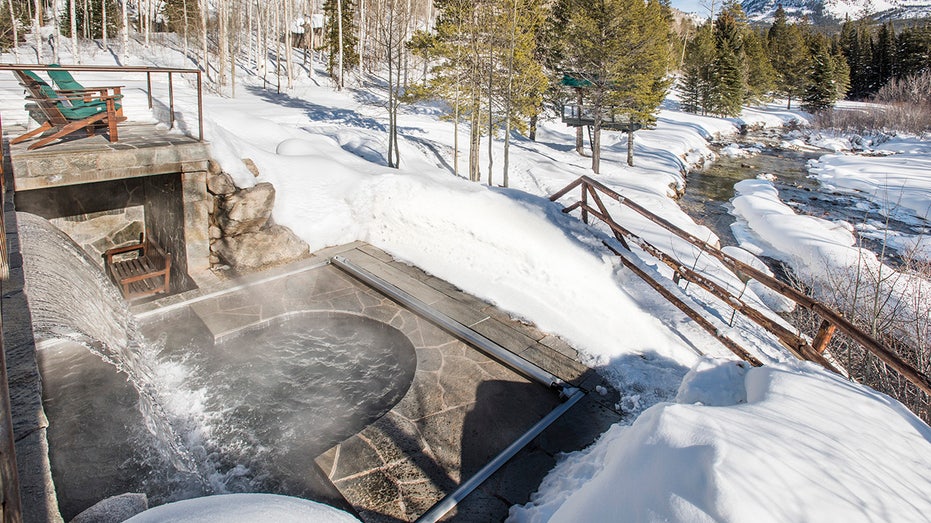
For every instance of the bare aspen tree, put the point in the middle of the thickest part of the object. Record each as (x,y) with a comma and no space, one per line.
(125,32)
(238,46)
(15,32)
(203,35)
(510,91)
(103,26)
(278,44)
(85,29)
(148,20)
(361,36)
(289,44)
(72,11)
(36,24)
(339,25)
(222,40)
(56,37)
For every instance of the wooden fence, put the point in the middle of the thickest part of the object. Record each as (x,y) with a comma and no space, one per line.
(593,190)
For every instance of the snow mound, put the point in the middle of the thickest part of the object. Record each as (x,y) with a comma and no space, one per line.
(715,383)
(243,508)
(297,147)
(857,456)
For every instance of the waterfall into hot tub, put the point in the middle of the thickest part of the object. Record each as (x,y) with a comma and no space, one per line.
(186,416)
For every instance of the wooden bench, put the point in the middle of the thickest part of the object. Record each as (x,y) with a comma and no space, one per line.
(64,112)
(141,269)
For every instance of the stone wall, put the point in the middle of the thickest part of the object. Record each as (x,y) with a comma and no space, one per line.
(242,233)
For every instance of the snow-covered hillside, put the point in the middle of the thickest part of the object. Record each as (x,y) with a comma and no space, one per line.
(838,10)
(720,442)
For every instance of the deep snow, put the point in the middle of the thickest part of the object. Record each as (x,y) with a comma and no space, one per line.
(785,442)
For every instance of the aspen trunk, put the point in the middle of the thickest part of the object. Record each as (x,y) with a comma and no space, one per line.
(339,28)
(57,36)
(15,33)
(203,38)
(125,46)
(36,24)
(72,11)
(103,26)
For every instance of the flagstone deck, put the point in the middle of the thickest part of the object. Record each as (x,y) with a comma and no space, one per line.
(462,408)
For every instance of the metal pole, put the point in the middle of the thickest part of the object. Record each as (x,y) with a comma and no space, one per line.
(200,106)
(473,338)
(148,83)
(171,102)
(450,501)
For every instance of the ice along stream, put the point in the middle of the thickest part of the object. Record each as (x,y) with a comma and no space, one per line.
(709,191)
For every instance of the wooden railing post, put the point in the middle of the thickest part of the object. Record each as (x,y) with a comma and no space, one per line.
(832,319)
(825,332)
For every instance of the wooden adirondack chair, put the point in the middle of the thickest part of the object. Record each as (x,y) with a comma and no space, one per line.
(68,111)
(68,85)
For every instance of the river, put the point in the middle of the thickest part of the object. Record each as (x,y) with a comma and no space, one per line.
(709,190)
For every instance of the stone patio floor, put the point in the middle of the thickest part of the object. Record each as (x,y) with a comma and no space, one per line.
(462,408)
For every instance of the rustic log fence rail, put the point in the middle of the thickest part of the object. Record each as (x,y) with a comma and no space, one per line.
(831,320)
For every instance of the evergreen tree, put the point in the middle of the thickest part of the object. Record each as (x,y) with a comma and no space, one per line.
(821,89)
(89,15)
(884,54)
(729,67)
(789,56)
(841,72)
(761,77)
(344,26)
(697,76)
(620,49)
(857,45)
(913,50)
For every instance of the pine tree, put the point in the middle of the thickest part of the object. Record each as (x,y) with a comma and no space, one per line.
(761,77)
(789,56)
(885,54)
(821,90)
(620,48)
(89,15)
(729,67)
(841,72)
(697,76)
(913,50)
(341,37)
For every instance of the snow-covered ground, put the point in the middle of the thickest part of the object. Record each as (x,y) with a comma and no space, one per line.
(785,442)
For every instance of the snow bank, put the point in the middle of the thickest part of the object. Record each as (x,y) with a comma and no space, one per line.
(899,183)
(757,444)
(243,508)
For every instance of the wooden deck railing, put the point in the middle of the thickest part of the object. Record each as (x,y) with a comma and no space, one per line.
(135,69)
(799,346)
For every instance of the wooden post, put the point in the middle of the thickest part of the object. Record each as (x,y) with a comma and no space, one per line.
(825,332)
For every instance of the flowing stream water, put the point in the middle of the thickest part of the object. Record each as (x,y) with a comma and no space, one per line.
(182,416)
(709,190)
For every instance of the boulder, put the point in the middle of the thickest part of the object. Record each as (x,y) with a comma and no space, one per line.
(114,509)
(246,211)
(221,184)
(253,168)
(272,246)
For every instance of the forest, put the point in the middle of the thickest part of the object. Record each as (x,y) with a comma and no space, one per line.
(498,65)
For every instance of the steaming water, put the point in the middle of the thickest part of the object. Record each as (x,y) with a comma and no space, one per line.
(70,299)
(183,417)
